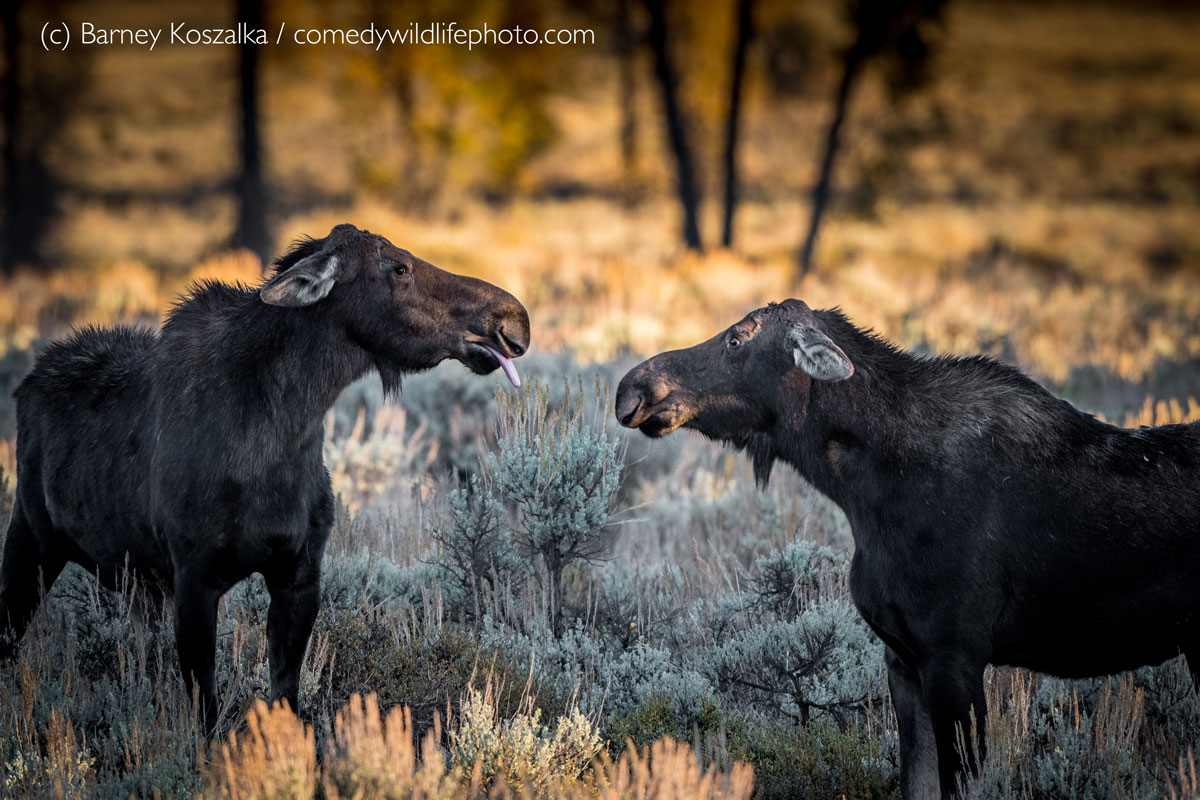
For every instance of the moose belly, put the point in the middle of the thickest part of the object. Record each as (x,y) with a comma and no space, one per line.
(231,528)
(1100,638)
(1081,656)
(102,527)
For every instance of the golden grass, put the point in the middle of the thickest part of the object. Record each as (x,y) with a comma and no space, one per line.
(372,756)
(598,280)
(389,463)
(59,770)
(275,757)
(1162,412)
(1187,785)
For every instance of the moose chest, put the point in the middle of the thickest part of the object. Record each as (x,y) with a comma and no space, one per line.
(233,522)
(910,586)
(883,601)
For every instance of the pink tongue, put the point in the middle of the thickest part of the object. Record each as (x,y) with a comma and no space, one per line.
(510,371)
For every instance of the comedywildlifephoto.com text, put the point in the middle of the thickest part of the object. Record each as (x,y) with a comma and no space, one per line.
(61,35)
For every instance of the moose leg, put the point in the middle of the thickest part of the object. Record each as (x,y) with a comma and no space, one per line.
(918,752)
(196,640)
(295,597)
(26,573)
(952,687)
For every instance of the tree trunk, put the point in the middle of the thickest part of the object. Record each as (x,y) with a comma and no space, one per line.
(554,573)
(627,89)
(745,30)
(9,22)
(850,71)
(689,196)
(252,232)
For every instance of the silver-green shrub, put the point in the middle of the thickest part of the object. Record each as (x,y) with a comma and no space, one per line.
(474,550)
(796,641)
(559,472)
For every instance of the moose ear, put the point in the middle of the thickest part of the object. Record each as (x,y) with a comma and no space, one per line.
(303,284)
(816,354)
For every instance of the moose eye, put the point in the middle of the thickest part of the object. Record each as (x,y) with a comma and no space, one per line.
(400,269)
(734,341)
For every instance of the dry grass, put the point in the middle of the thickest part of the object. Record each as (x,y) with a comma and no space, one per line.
(60,770)
(372,756)
(274,758)
(1163,412)
(935,277)
(1188,785)
(1036,201)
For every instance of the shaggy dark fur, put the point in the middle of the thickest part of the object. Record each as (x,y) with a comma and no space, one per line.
(194,454)
(993,522)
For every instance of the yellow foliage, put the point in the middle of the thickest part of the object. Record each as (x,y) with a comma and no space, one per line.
(1162,412)
(274,759)
(521,750)
(239,266)
(372,756)
(61,770)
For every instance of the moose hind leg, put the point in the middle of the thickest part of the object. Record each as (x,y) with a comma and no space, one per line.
(27,571)
(295,598)
(918,751)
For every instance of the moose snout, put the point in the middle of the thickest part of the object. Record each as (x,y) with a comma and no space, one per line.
(637,395)
(509,327)
(515,335)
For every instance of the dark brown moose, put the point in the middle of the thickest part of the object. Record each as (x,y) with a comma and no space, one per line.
(993,522)
(193,454)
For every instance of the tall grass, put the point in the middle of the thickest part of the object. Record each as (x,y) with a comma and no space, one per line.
(373,755)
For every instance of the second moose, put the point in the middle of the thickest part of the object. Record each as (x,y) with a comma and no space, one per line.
(993,522)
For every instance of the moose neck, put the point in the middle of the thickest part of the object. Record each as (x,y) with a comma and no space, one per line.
(273,372)
(901,420)
(860,435)
(314,362)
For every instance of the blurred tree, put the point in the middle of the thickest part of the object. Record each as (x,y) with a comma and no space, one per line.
(886,29)
(429,121)
(30,191)
(32,128)
(737,73)
(9,27)
(252,232)
(685,164)
(623,31)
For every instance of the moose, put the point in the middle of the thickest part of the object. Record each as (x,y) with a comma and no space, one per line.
(993,522)
(192,455)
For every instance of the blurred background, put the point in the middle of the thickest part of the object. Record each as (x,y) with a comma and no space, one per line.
(1015,178)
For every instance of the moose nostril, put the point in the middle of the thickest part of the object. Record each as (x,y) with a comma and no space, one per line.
(628,408)
(512,329)
(515,347)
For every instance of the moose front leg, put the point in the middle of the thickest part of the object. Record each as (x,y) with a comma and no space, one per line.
(918,752)
(295,598)
(952,688)
(196,639)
